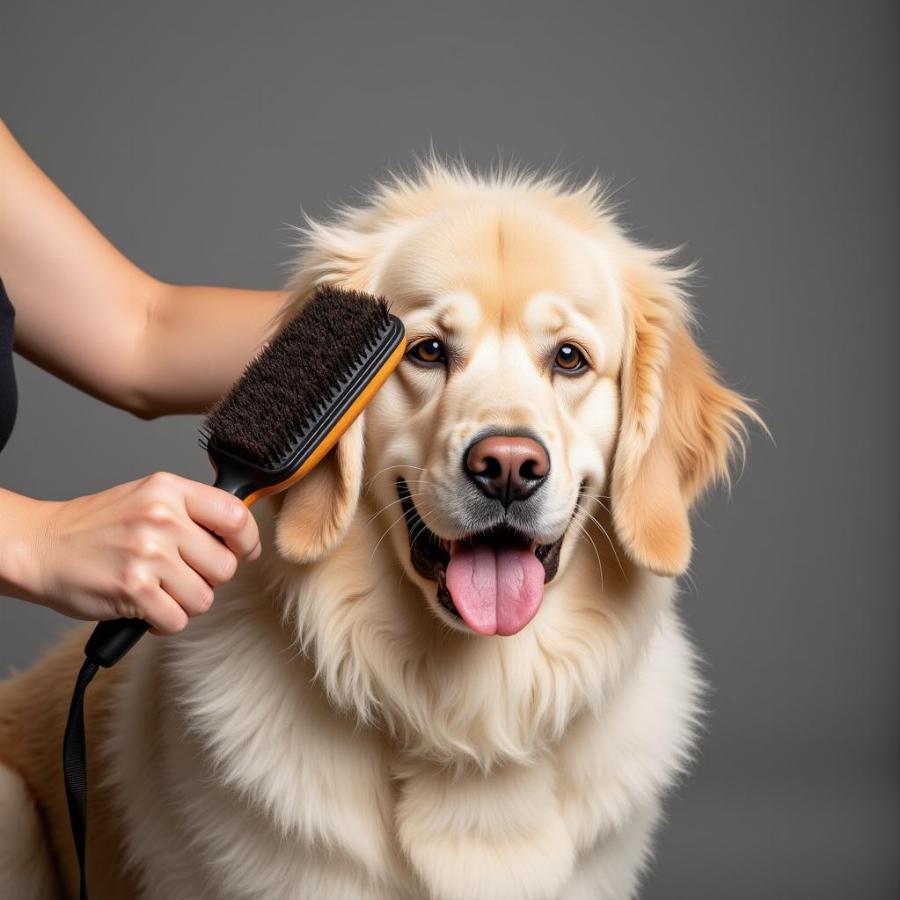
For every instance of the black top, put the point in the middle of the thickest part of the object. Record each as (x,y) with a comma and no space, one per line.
(7,375)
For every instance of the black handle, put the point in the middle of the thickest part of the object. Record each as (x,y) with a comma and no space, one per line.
(111,640)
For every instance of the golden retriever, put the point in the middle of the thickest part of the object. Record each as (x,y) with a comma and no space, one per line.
(458,672)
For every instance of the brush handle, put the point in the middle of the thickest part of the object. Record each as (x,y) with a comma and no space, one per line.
(111,640)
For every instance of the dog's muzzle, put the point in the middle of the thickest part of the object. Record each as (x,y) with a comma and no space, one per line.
(493,580)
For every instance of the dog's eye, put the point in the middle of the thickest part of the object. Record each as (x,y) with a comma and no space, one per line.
(429,352)
(569,360)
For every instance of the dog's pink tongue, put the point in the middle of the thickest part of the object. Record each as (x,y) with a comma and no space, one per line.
(496,591)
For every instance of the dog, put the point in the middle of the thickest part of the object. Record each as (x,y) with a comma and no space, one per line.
(458,671)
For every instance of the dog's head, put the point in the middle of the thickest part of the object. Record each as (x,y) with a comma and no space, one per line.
(551,376)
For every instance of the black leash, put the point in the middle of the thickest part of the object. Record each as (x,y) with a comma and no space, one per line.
(106,646)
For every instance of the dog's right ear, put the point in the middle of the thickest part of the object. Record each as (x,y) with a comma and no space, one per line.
(317,511)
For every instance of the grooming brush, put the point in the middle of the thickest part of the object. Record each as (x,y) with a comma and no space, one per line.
(277,422)
(287,410)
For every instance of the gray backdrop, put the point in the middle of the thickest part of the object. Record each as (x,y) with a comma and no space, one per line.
(762,136)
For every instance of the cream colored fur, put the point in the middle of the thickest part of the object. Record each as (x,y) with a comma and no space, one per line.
(326,732)
(26,871)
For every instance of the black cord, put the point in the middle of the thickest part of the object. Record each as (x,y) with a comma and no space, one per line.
(75,769)
(108,643)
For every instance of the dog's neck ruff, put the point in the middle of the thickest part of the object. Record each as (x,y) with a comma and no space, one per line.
(381,655)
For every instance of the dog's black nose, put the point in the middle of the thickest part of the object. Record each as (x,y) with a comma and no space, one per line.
(507,467)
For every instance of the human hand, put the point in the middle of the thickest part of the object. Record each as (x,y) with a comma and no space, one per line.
(139,550)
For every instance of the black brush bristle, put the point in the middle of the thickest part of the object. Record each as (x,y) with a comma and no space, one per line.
(288,387)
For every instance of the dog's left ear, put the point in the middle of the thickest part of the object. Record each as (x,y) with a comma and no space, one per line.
(679,423)
(315,513)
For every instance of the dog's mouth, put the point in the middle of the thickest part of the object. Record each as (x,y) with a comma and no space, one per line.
(493,580)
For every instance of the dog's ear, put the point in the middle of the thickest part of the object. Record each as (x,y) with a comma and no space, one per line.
(679,423)
(317,511)
(314,514)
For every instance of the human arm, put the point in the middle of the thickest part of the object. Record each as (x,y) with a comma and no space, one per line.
(90,316)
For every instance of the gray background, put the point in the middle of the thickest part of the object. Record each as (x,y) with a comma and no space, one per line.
(762,136)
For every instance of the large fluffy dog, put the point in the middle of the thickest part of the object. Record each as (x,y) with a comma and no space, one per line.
(458,673)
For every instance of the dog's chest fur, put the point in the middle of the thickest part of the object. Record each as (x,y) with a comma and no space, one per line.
(249,782)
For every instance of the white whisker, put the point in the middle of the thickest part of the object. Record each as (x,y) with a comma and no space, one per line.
(585,532)
(396,466)
(598,497)
(385,534)
(606,535)
(412,544)
(384,508)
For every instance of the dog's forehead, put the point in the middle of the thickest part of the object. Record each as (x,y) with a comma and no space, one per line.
(479,266)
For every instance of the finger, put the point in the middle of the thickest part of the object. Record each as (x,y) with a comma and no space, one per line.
(191,592)
(164,614)
(224,515)
(210,559)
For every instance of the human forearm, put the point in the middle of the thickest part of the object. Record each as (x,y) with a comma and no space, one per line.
(197,342)
(80,304)
(90,316)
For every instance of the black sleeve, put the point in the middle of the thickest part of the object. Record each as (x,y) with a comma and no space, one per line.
(8,396)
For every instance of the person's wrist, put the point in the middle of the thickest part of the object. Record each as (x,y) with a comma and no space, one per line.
(24,538)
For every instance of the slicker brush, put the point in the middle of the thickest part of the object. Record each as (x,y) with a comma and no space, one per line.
(278,421)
